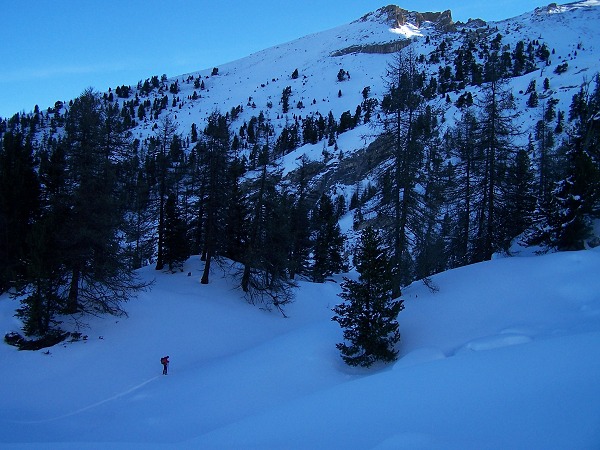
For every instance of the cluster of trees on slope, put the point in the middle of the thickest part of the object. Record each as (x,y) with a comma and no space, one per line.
(458,198)
(60,211)
(449,200)
(81,211)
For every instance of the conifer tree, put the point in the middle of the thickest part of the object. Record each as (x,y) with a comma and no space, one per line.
(520,197)
(100,278)
(497,133)
(265,276)
(403,108)
(285,99)
(369,314)
(236,228)
(164,136)
(576,197)
(176,248)
(430,250)
(546,160)
(19,205)
(139,218)
(463,192)
(41,290)
(75,261)
(328,244)
(300,224)
(214,155)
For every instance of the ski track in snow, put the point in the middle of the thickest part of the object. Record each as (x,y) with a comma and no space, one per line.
(93,405)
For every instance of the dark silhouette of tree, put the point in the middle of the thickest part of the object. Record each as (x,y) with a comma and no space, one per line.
(214,153)
(369,312)
(164,136)
(463,191)
(520,197)
(285,99)
(402,105)
(265,276)
(328,245)
(76,262)
(300,223)
(99,277)
(19,205)
(567,221)
(497,133)
(176,247)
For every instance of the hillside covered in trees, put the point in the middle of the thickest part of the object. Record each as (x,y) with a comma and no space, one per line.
(457,142)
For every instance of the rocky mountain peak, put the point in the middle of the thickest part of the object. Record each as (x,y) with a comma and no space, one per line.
(395,17)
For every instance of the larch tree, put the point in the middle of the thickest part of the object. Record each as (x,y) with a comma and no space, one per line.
(328,243)
(215,159)
(265,275)
(403,108)
(463,190)
(497,132)
(100,279)
(19,205)
(165,133)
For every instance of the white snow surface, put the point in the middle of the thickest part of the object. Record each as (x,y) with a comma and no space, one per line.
(504,355)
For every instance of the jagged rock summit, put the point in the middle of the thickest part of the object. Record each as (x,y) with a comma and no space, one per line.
(403,26)
(397,17)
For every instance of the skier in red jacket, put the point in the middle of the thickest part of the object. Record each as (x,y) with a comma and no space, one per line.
(165,362)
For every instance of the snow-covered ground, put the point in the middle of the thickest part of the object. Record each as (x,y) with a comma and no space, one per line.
(505,355)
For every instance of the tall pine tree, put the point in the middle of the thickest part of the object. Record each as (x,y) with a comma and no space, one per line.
(19,205)
(576,197)
(100,278)
(402,106)
(215,190)
(328,246)
(176,248)
(369,312)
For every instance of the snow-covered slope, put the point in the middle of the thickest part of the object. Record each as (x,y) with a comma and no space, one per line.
(362,48)
(262,76)
(503,356)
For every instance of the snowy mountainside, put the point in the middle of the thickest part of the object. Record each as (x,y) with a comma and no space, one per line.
(362,48)
(261,77)
(503,356)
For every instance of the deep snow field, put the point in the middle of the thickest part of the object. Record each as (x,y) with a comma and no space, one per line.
(504,355)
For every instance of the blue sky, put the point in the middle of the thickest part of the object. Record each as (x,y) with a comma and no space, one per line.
(53,50)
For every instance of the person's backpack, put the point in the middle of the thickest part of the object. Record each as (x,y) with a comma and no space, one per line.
(164,360)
